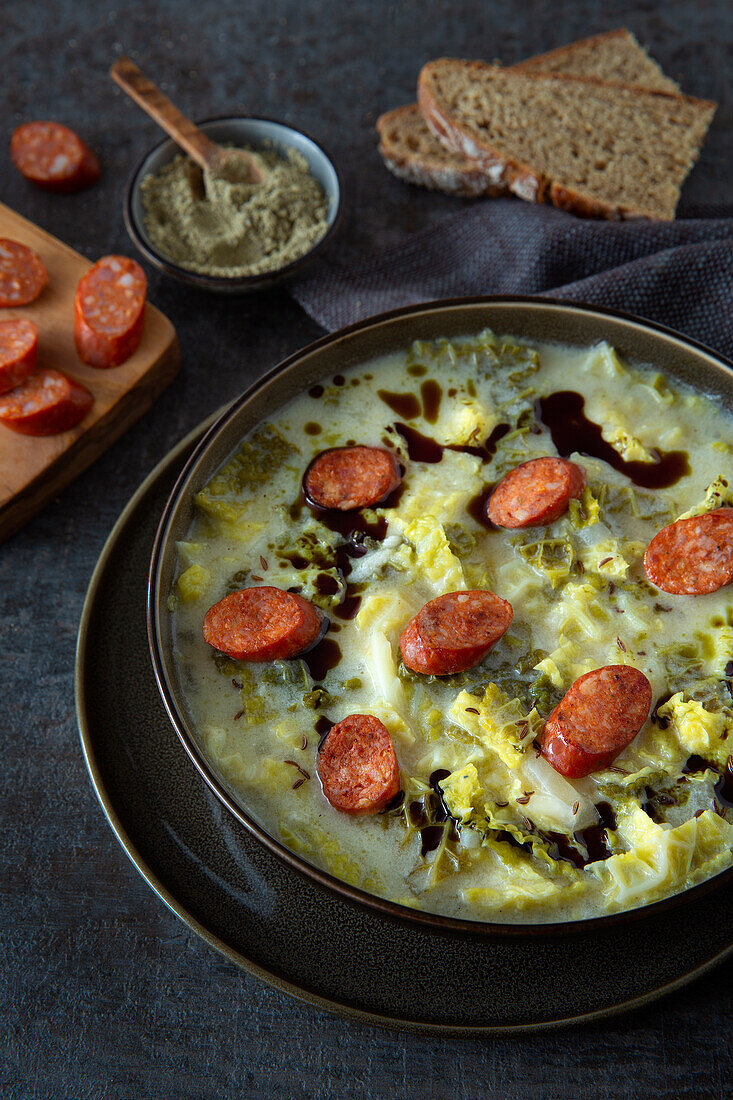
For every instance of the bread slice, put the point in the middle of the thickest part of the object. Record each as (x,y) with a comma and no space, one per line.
(412,153)
(597,149)
(614,56)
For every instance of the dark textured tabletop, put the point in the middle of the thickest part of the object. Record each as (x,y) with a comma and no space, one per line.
(103,991)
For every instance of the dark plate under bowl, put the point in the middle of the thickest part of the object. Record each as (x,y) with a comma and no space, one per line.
(282,927)
(259,133)
(531,318)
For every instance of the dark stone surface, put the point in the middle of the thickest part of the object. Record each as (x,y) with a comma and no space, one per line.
(104,992)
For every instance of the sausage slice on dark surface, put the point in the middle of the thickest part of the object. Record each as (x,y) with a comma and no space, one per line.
(692,557)
(23,274)
(262,624)
(109,311)
(44,404)
(357,765)
(53,157)
(454,632)
(596,720)
(535,493)
(18,352)
(351,477)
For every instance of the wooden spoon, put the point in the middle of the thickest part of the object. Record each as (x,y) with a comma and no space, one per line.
(206,153)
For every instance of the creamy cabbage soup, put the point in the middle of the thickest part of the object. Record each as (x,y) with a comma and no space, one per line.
(482,784)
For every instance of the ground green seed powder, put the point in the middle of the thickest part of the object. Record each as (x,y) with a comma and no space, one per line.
(219,225)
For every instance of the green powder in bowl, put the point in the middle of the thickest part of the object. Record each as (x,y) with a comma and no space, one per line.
(220,226)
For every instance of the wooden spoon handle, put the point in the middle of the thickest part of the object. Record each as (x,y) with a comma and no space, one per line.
(160,108)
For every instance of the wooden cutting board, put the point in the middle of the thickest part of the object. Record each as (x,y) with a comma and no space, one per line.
(33,470)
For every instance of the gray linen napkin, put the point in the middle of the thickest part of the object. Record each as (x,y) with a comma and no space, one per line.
(677,273)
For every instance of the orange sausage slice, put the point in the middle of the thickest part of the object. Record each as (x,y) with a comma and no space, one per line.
(23,274)
(535,493)
(109,311)
(351,477)
(454,632)
(262,624)
(692,557)
(599,716)
(18,352)
(53,157)
(46,403)
(357,765)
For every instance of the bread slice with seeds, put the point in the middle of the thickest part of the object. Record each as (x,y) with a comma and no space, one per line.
(414,154)
(598,149)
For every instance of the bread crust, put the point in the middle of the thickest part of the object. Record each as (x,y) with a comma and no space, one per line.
(535,63)
(521,179)
(563,51)
(575,202)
